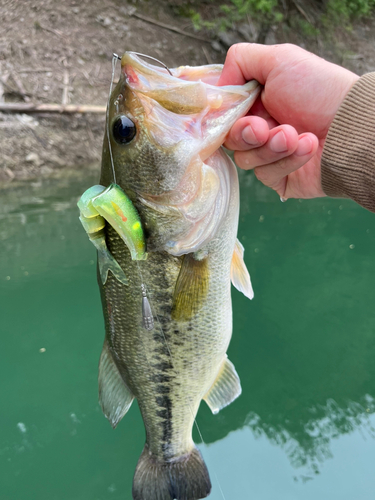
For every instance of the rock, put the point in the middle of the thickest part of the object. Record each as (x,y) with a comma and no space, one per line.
(216,46)
(355,56)
(28,120)
(9,173)
(34,159)
(128,11)
(104,21)
(249,31)
(228,38)
(270,38)
(46,170)
(55,160)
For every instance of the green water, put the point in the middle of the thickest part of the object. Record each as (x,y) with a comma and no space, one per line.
(304,349)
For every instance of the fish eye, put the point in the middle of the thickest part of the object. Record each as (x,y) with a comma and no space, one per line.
(124,129)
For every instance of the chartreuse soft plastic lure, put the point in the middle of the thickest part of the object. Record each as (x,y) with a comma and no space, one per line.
(99,204)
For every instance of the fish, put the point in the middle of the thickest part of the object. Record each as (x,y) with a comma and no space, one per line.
(162,148)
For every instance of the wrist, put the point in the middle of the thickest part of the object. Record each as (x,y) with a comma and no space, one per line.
(348,159)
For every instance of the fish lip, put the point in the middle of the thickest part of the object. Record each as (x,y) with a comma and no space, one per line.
(134,61)
(130,60)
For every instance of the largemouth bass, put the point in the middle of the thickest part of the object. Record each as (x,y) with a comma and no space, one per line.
(163,142)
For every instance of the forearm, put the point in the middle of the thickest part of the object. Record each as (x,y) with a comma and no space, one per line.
(348,159)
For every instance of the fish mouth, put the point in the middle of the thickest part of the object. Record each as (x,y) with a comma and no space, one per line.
(209,74)
(185,103)
(188,90)
(143,76)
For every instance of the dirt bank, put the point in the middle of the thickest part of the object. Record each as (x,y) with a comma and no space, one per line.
(60,52)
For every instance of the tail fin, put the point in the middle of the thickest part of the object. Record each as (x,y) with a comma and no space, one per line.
(185,478)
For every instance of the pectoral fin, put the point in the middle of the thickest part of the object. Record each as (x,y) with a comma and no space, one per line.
(191,288)
(238,272)
(225,389)
(114,396)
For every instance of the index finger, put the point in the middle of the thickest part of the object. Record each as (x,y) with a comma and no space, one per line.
(247,61)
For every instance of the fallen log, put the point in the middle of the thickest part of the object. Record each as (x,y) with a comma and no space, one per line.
(29,107)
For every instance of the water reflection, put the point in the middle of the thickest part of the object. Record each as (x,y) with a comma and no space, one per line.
(304,347)
(309,444)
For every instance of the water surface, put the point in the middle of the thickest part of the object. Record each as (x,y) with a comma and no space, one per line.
(304,349)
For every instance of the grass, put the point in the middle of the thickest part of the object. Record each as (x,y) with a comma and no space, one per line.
(214,16)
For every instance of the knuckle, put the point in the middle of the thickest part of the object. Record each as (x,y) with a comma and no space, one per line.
(242,160)
(237,47)
(261,175)
(283,164)
(269,177)
(237,51)
(289,47)
(232,51)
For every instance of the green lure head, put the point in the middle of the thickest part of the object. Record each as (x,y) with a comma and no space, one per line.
(112,204)
(119,211)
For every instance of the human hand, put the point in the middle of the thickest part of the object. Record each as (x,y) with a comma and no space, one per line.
(283,138)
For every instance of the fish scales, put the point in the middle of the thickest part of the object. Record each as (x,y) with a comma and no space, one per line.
(168,169)
(183,356)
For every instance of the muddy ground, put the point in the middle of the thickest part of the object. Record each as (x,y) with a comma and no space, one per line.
(60,52)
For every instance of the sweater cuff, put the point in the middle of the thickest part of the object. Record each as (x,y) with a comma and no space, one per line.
(348,159)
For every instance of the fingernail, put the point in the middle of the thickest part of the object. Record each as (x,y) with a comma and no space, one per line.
(249,136)
(304,146)
(278,143)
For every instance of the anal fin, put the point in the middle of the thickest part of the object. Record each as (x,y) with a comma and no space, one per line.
(239,274)
(225,389)
(114,396)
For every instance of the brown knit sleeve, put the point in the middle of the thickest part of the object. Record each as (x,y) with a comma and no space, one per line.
(348,159)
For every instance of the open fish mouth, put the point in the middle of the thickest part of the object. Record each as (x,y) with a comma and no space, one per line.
(192,92)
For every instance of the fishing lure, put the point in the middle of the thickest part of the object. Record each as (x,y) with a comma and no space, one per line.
(99,204)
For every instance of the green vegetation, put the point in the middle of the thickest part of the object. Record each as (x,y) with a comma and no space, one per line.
(348,10)
(226,14)
(213,15)
(264,11)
